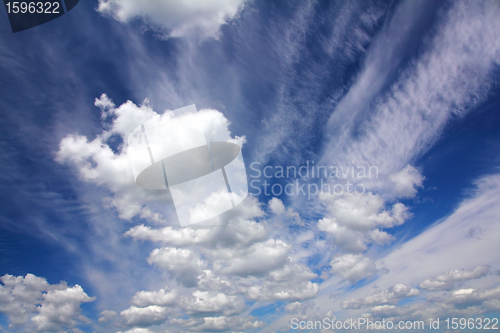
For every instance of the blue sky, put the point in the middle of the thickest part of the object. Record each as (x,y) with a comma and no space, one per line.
(408,87)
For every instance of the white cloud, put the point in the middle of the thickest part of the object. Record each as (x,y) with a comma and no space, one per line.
(354,221)
(60,308)
(220,324)
(391,296)
(405,181)
(204,302)
(106,315)
(138,330)
(48,307)
(459,303)
(447,280)
(290,282)
(285,291)
(364,212)
(146,316)
(241,232)
(258,259)
(97,163)
(276,206)
(160,297)
(430,261)
(179,17)
(353,267)
(185,264)
(299,307)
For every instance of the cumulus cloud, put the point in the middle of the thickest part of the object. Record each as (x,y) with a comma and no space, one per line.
(391,296)
(364,212)
(107,315)
(207,303)
(242,231)
(146,316)
(97,163)
(448,280)
(353,267)
(219,324)
(354,221)
(60,308)
(48,307)
(458,303)
(178,17)
(277,206)
(290,282)
(406,181)
(138,330)
(444,290)
(185,264)
(160,297)
(258,259)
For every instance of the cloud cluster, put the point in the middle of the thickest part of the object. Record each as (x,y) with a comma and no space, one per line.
(179,18)
(459,303)
(96,161)
(211,271)
(32,302)
(448,280)
(391,296)
(354,222)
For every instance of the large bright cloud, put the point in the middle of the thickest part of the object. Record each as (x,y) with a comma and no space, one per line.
(179,17)
(30,301)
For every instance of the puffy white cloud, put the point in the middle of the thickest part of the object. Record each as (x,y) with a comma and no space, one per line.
(259,258)
(438,251)
(146,316)
(277,206)
(471,297)
(96,162)
(241,232)
(290,282)
(185,264)
(346,238)
(299,307)
(19,296)
(179,17)
(60,308)
(106,315)
(447,280)
(160,297)
(285,291)
(391,296)
(459,303)
(364,212)
(353,267)
(207,303)
(214,282)
(405,181)
(138,330)
(381,237)
(219,324)
(353,221)
(48,307)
